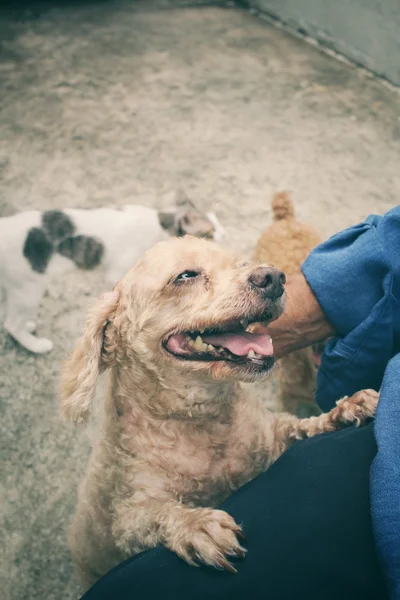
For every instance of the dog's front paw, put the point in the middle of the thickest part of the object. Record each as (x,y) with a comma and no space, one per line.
(357,409)
(41,346)
(208,536)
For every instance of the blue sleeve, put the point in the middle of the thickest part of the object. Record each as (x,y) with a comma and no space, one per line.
(355,276)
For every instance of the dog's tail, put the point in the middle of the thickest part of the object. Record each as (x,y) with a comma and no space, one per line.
(282,206)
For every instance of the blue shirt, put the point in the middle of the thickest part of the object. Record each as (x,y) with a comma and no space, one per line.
(355,276)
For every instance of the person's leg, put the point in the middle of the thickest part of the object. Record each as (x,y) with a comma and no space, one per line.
(385,477)
(308,528)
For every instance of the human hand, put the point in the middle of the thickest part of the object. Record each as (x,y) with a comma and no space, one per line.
(302,323)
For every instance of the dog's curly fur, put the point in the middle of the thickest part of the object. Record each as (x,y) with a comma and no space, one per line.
(178,436)
(286,243)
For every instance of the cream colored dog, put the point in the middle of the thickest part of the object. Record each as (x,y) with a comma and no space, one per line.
(180,434)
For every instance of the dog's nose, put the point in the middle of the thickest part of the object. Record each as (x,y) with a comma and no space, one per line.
(269,280)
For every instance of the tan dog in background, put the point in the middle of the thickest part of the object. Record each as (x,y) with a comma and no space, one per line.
(180,434)
(286,244)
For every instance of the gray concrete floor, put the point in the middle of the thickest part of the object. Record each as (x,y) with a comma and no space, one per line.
(105,102)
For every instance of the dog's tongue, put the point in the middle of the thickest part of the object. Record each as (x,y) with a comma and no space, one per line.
(241,343)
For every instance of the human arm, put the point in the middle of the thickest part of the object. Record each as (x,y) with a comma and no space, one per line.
(303,322)
(352,282)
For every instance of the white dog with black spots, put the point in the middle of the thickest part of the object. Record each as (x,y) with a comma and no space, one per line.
(37,246)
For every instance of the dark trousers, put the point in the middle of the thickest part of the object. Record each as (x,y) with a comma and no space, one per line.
(308,529)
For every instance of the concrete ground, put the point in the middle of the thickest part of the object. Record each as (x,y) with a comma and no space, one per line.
(109,101)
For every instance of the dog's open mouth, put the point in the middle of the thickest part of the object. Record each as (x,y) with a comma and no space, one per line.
(232,343)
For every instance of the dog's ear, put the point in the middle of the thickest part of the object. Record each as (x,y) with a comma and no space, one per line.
(175,205)
(182,200)
(196,223)
(167,220)
(93,353)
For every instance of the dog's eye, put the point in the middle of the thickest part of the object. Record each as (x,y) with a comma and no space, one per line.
(187,275)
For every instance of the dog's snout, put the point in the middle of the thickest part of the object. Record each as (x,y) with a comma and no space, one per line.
(269,280)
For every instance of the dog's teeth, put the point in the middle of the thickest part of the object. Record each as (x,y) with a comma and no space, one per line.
(210,348)
(251,354)
(190,341)
(258,355)
(199,345)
